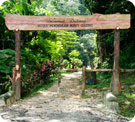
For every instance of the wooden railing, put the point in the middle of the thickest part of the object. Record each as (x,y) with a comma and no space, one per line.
(84,70)
(109,70)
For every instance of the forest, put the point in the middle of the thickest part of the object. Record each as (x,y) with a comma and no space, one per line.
(44,53)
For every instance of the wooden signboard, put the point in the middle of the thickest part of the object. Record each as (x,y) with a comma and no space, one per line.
(93,22)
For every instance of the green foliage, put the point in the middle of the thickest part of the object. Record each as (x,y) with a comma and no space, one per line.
(25,9)
(126,103)
(50,46)
(65,7)
(37,47)
(96,62)
(103,80)
(6,60)
(63,40)
(125,98)
(38,88)
(73,56)
(87,48)
(78,63)
(6,65)
(105,64)
(107,36)
(20,8)
(66,64)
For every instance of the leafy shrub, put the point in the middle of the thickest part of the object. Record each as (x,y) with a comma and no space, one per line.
(47,69)
(66,63)
(6,65)
(32,78)
(75,62)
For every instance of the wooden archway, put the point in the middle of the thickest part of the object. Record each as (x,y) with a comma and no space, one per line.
(20,23)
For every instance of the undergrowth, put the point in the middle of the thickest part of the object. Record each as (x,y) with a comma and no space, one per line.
(64,73)
(126,98)
(41,87)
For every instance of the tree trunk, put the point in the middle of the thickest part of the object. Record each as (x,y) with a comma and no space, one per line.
(101,48)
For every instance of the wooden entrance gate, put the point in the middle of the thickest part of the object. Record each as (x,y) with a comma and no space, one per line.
(20,23)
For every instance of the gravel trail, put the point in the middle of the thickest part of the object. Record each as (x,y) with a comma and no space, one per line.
(67,106)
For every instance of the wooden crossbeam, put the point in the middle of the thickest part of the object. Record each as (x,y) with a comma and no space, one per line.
(96,21)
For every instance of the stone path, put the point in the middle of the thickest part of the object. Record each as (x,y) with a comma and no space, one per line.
(67,106)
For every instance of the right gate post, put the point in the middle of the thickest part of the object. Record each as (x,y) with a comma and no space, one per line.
(115,83)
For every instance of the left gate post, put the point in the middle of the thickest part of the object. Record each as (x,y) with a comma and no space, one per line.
(17,64)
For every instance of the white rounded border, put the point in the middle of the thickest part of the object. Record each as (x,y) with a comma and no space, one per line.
(132,1)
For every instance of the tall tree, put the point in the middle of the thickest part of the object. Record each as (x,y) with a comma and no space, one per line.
(105,38)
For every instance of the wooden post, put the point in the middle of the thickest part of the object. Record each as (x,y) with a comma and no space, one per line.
(59,81)
(17,65)
(13,79)
(83,80)
(115,83)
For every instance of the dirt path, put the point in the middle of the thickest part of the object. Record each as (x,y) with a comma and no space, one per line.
(67,106)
